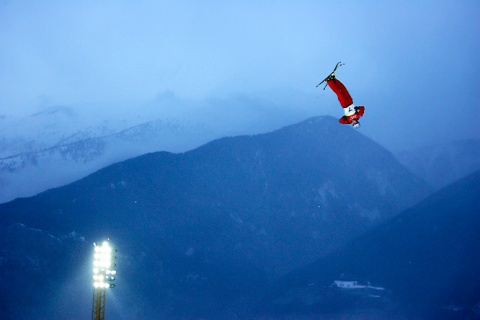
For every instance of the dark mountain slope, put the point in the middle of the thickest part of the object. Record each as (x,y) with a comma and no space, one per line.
(215,224)
(311,181)
(426,258)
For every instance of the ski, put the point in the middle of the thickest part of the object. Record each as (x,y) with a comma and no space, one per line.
(339,64)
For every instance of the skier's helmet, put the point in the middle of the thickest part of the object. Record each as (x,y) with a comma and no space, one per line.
(356,125)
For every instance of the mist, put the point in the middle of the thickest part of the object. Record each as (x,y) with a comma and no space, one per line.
(253,66)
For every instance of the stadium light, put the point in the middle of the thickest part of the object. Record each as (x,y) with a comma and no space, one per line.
(103,271)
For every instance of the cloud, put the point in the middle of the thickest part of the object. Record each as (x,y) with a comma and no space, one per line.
(406,62)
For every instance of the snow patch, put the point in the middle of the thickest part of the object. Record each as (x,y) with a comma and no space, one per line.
(238,220)
(380,180)
(190,252)
(325,191)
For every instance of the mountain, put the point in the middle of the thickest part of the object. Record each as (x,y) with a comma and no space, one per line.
(82,139)
(422,264)
(29,164)
(442,164)
(203,233)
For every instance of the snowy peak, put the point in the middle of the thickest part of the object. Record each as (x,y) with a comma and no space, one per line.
(30,163)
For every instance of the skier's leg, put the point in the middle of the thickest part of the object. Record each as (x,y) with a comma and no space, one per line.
(341,92)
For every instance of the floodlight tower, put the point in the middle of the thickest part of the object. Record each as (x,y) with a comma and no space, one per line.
(103,275)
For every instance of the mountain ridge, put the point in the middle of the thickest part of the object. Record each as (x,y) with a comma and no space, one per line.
(423,263)
(84,152)
(216,224)
(442,164)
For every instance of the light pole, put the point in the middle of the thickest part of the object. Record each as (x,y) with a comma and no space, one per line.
(103,276)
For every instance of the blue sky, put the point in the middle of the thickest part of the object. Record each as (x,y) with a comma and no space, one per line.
(413,64)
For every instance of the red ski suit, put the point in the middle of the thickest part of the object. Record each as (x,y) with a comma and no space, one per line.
(346,101)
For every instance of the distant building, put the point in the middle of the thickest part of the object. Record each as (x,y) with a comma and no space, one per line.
(348,284)
(354,285)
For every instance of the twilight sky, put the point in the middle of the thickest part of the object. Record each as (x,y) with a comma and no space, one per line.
(414,65)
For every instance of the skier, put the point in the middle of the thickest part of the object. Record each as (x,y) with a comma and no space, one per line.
(352,112)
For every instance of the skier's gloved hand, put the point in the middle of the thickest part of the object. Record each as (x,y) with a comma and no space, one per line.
(356,109)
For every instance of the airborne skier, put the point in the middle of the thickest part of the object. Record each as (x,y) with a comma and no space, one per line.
(352,113)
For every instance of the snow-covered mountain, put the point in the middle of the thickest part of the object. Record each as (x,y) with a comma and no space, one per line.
(56,147)
(62,144)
